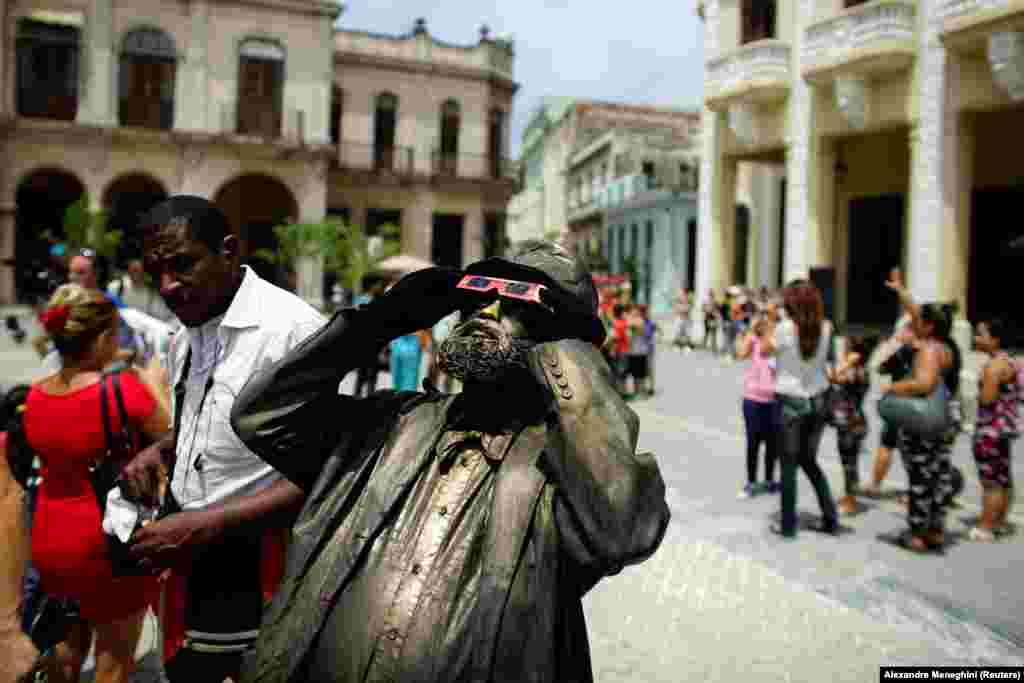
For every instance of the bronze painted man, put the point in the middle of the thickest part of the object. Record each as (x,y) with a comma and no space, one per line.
(452,537)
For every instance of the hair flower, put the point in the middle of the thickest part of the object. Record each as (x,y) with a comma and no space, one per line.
(54,318)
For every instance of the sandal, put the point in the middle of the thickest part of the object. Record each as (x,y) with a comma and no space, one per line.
(906,541)
(981,535)
(777,530)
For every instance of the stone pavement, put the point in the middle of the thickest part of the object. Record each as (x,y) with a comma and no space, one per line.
(724,599)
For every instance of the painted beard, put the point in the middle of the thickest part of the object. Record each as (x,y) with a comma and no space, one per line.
(478,352)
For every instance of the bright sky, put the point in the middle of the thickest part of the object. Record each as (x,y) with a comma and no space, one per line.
(640,52)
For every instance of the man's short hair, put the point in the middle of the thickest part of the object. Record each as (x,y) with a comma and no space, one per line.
(205,221)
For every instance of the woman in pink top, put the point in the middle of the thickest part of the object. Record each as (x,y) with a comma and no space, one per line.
(760,410)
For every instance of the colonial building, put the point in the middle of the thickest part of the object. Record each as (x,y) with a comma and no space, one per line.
(595,170)
(893,127)
(262,106)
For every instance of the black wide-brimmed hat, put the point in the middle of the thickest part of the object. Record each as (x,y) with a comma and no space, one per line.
(552,266)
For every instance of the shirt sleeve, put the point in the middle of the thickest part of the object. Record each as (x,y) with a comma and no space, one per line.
(138,401)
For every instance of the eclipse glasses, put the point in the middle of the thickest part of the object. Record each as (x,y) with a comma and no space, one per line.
(513,289)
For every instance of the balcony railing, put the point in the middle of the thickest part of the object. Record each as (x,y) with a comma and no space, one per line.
(885,27)
(369,157)
(473,166)
(759,70)
(955,9)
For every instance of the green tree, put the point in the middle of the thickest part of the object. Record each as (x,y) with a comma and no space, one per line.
(357,254)
(85,228)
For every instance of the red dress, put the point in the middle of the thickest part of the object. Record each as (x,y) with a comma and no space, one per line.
(68,544)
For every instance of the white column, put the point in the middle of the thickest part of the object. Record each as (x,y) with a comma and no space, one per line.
(312,208)
(716,206)
(769,229)
(473,236)
(924,245)
(99,67)
(191,89)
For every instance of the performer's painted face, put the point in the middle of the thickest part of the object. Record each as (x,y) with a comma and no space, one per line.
(491,342)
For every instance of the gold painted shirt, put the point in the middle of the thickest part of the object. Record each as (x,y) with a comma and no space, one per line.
(405,615)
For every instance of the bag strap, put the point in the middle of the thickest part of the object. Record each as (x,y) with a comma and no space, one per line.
(108,431)
(122,412)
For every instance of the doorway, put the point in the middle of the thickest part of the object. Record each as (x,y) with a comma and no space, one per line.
(995,256)
(876,247)
(446,242)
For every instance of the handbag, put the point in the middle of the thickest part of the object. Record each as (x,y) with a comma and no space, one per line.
(105,472)
(923,416)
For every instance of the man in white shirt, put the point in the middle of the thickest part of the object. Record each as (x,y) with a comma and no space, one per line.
(227,502)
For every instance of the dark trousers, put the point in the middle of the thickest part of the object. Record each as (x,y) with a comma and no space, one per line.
(849,453)
(32,592)
(803,422)
(930,473)
(763,421)
(190,666)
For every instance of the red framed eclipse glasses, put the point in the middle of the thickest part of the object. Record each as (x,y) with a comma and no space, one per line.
(513,289)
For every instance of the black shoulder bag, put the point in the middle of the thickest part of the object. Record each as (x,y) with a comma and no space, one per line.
(105,472)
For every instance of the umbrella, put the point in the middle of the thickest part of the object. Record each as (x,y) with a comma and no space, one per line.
(403,263)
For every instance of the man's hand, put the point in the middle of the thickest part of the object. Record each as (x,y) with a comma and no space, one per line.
(18,655)
(418,301)
(173,541)
(142,479)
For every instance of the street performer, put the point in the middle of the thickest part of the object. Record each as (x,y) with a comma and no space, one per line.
(452,537)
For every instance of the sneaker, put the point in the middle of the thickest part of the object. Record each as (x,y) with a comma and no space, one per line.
(773,487)
(748,491)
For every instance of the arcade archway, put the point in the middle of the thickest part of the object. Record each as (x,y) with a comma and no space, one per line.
(254,203)
(42,198)
(125,201)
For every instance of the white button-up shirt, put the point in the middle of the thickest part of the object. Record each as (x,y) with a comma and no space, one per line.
(261,325)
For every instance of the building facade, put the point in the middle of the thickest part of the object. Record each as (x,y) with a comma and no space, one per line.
(260,105)
(890,125)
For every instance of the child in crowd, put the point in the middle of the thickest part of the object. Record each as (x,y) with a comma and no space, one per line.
(760,409)
(853,381)
(620,345)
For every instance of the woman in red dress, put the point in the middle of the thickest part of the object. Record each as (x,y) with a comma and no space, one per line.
(64,426)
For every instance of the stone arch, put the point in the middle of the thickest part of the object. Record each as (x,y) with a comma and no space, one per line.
(254,204)
(41,198)
(125,199)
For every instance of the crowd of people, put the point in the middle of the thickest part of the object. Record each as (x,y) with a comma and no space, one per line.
(797,384)
(286,530)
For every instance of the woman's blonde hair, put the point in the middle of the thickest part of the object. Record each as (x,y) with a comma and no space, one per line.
(75,316)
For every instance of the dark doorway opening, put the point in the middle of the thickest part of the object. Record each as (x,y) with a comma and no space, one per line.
(740,243)
(446,242)
(876,246)
(42,199)
(996,256)
(255,204)
(691,255)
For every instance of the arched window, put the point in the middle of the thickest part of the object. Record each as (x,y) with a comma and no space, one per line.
(496,142)
(47,69)
(450,124)
(385,125)
(758,20)
(260,88)
(146,79)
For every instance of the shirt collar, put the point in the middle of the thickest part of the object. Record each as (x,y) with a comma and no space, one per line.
(244,310)
(493,446)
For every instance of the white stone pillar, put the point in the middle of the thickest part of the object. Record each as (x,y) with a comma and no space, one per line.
(769,229)
(473,236)
(309,271)
(925,240)
(99,67)
(716,208)
(8,222)
(191,89)
(418,225)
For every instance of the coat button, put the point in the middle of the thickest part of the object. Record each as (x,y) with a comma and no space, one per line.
(566,394)
(563,383)
(393,634)
(557,372)
(443,510)
(416,569)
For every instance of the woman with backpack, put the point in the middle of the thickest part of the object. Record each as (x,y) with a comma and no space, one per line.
(69,546)
(927,457)
(997,425)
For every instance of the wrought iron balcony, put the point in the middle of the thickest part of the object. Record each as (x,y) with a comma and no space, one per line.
(875,37)
(755,72)
(364,156)
(473,167)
